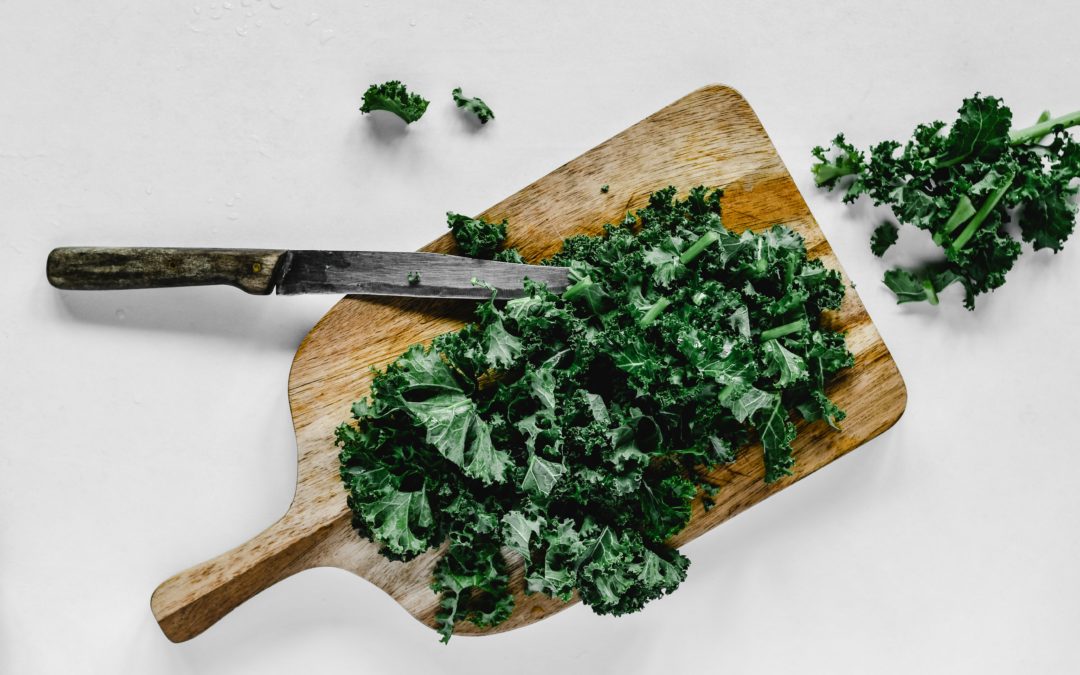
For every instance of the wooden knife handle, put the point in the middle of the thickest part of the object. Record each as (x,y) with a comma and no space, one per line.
(255,271)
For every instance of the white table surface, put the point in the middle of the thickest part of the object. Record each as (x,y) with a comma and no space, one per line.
(145,431)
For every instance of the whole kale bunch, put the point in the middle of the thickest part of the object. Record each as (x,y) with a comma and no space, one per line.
(574,431)
(962,187)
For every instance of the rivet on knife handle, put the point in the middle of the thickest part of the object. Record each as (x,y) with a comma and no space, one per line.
(255,271)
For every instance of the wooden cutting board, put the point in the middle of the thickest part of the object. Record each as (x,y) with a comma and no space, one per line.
(709,137)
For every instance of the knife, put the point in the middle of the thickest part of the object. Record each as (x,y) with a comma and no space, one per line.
(261,272)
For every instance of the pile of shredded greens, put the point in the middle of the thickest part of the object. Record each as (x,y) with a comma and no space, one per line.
(574,431)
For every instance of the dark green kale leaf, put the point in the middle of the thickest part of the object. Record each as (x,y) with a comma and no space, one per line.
(846,160)
(573,432)
(473,105)
(1048,218)
(909,287)
(963,187)
(473,583)
(393,97)
(777,433)
(617,573)
(884,237)
(476,237)
(400,520)
(510,255)
(665,506)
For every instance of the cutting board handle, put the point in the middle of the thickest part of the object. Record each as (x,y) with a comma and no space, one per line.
(195,599)
(255,271)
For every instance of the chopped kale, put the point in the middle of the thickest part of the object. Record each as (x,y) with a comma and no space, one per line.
(476,237)
(574,431)
(474,105)
(393,97)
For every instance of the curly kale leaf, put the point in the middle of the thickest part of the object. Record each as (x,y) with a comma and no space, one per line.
(519,530)
(393,97)
(981,130)
(1048,219)
(884,237)
(845,161)
(474,105)
(474,587)
(393,516)
(787,367)
(665,506)
(510,255)
(963,187)
(618,574)
(434,397)
(777,433)
(476,237)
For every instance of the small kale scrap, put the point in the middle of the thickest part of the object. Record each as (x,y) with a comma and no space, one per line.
(962,186)
(474,105)
(393,97)
(475,237)
(574,431)
(510,255)
(885,235)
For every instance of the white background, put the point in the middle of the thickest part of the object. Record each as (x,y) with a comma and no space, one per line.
(142,432)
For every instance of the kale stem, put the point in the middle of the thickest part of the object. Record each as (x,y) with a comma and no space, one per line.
(781,331)
(964,210)
(698,246)
(1022,136)
(654,312)
(826,172)
(982,213)
(577,289)
(931,294)
(945,163)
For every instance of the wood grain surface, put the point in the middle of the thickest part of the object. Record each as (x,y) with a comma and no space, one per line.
(709,137)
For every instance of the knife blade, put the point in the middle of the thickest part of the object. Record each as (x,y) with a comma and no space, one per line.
(288,272)
(388,273)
